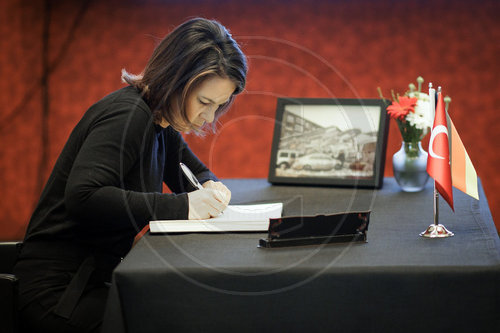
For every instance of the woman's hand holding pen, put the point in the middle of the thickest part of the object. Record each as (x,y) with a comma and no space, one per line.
(209,201)
(224,194)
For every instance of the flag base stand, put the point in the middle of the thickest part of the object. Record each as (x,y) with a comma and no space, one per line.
(436,231)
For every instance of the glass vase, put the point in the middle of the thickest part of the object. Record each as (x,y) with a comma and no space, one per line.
(409,165)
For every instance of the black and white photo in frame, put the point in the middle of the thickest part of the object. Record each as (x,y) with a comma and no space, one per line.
(329,142)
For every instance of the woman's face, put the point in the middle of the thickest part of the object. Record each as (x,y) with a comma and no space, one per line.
(205,99)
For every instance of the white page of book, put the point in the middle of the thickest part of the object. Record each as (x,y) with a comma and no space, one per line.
(234,218)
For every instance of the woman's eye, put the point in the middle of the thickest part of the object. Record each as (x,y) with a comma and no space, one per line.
(203,103)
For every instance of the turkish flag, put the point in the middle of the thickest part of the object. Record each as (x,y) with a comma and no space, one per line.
(438,161)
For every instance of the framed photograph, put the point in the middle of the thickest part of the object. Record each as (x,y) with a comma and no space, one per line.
(335,142)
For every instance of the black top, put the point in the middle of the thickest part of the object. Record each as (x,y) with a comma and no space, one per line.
(107,183)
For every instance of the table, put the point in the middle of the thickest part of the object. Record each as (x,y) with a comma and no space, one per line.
(396,282)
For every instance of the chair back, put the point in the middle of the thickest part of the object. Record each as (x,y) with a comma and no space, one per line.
(8,256)
(8,287)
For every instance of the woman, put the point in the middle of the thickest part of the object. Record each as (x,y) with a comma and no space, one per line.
(107,182)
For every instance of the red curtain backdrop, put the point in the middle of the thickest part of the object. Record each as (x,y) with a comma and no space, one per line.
(59,57)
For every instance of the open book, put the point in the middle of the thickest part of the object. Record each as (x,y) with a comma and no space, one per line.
(233,218)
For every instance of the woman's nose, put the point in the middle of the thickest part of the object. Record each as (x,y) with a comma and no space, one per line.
(209,115)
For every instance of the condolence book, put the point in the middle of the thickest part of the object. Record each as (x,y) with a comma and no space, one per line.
(233,218)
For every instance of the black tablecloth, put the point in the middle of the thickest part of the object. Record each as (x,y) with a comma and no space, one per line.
(396,282)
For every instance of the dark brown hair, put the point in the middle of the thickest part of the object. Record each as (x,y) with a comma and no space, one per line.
(195,50)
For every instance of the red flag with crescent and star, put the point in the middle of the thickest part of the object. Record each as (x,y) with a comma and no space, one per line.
(438,161)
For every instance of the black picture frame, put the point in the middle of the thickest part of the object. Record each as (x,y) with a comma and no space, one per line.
(329,142)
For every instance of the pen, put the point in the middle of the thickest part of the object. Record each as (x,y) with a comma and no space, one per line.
(190,176)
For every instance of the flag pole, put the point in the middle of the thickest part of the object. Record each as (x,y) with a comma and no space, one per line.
(435,230)
(436,205)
